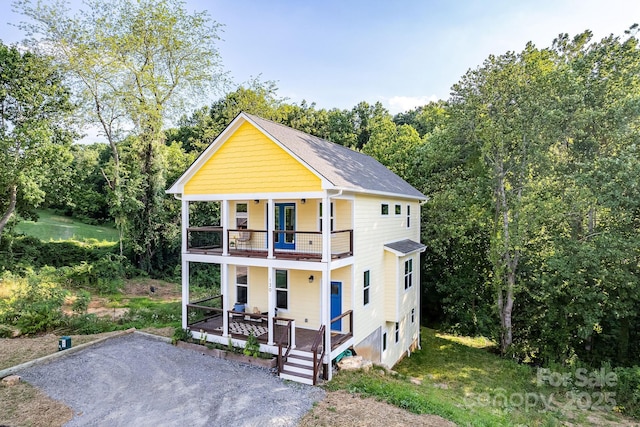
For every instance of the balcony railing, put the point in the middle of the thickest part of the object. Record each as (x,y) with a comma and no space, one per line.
(204,239)
(303,245)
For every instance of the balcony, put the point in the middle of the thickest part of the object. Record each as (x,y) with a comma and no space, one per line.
(297,245)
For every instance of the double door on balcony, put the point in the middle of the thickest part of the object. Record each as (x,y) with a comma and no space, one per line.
(285,219)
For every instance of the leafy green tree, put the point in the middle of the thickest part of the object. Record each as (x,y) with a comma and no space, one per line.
(134,64)
(33,142)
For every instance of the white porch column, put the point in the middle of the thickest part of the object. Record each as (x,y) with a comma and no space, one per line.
(271,226)
(271,302)
(185,225)
(326,227)
(224,221)
(185,291)
(224,290)
(326,314)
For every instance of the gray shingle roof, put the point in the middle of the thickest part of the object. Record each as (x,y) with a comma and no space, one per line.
(405,247)
(341,166)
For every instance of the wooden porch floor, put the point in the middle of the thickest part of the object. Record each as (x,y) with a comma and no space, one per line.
(304,337)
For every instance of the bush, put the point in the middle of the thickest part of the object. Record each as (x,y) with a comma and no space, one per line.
(105,275)
(34,306)
(81,302)
(86,324)
(628,390)
(181,335)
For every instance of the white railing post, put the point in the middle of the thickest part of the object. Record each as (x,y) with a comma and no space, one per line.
(224,290)
(293,334)
(224,220)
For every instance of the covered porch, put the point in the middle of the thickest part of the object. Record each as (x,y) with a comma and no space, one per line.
(207,316)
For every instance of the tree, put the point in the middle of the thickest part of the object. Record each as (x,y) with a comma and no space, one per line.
(33,143)
(134,65)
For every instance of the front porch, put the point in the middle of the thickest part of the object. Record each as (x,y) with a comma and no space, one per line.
(207,316)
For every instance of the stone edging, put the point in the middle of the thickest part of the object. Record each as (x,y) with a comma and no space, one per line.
(13,369)
(223,354)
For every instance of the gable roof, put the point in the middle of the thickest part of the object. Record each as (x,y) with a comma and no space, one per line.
(341,167)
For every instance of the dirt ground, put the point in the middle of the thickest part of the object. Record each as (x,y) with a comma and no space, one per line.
(340,408)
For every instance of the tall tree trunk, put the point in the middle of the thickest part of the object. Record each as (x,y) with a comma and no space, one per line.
(13,197)
(508,259)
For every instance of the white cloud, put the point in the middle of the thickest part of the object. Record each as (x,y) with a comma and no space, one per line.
(399,104)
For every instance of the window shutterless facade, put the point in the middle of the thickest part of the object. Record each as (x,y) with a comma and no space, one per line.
(367,287)
(282,289)
(408,273)
(241,284)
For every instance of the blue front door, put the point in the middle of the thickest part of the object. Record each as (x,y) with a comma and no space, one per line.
(285,221)
(336,305)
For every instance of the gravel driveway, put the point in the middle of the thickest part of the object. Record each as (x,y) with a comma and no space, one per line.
(135,380)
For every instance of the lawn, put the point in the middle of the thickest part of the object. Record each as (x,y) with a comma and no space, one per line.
(51,226)
(462,380)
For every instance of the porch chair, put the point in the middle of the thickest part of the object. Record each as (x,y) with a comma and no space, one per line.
(243,241)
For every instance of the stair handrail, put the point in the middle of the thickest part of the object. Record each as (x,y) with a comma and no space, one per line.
(318,342)
(286,334)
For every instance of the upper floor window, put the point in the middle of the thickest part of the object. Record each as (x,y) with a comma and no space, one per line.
(408,273)
(320,216)
(408,216)
(367,287)
(384,209)
(398,209)
(241,216)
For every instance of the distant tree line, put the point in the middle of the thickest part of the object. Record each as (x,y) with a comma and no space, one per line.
(531,167)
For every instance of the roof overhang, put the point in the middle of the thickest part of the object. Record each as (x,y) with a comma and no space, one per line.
(404,247)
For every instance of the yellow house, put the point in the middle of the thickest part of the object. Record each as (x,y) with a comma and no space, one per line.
(317,245)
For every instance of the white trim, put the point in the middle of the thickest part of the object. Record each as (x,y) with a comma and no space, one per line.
(253,196)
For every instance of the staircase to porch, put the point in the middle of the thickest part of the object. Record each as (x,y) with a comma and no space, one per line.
(298,367)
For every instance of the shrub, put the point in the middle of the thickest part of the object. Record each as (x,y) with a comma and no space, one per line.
(181,335)
(34,306)
(628,390)
(105,275)
(81,302)
(85,324)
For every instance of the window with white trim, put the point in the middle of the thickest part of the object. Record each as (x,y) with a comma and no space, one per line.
(384,341)
(384,209)
(242,218)
(408,273)
(366,287)
(398,209)
(397,332)
(408,216)
(413,315)
(330,216)
(241,284)
(282,289)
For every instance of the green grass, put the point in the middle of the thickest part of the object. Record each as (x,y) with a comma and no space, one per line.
(462,380)
(57,227)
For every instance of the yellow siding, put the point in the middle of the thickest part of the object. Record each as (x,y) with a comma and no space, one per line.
(307,216)
(304,299)
(342,215)
(249,162)
(391,287)
(258,289)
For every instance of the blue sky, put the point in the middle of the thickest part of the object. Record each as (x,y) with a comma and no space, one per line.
(402,53)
